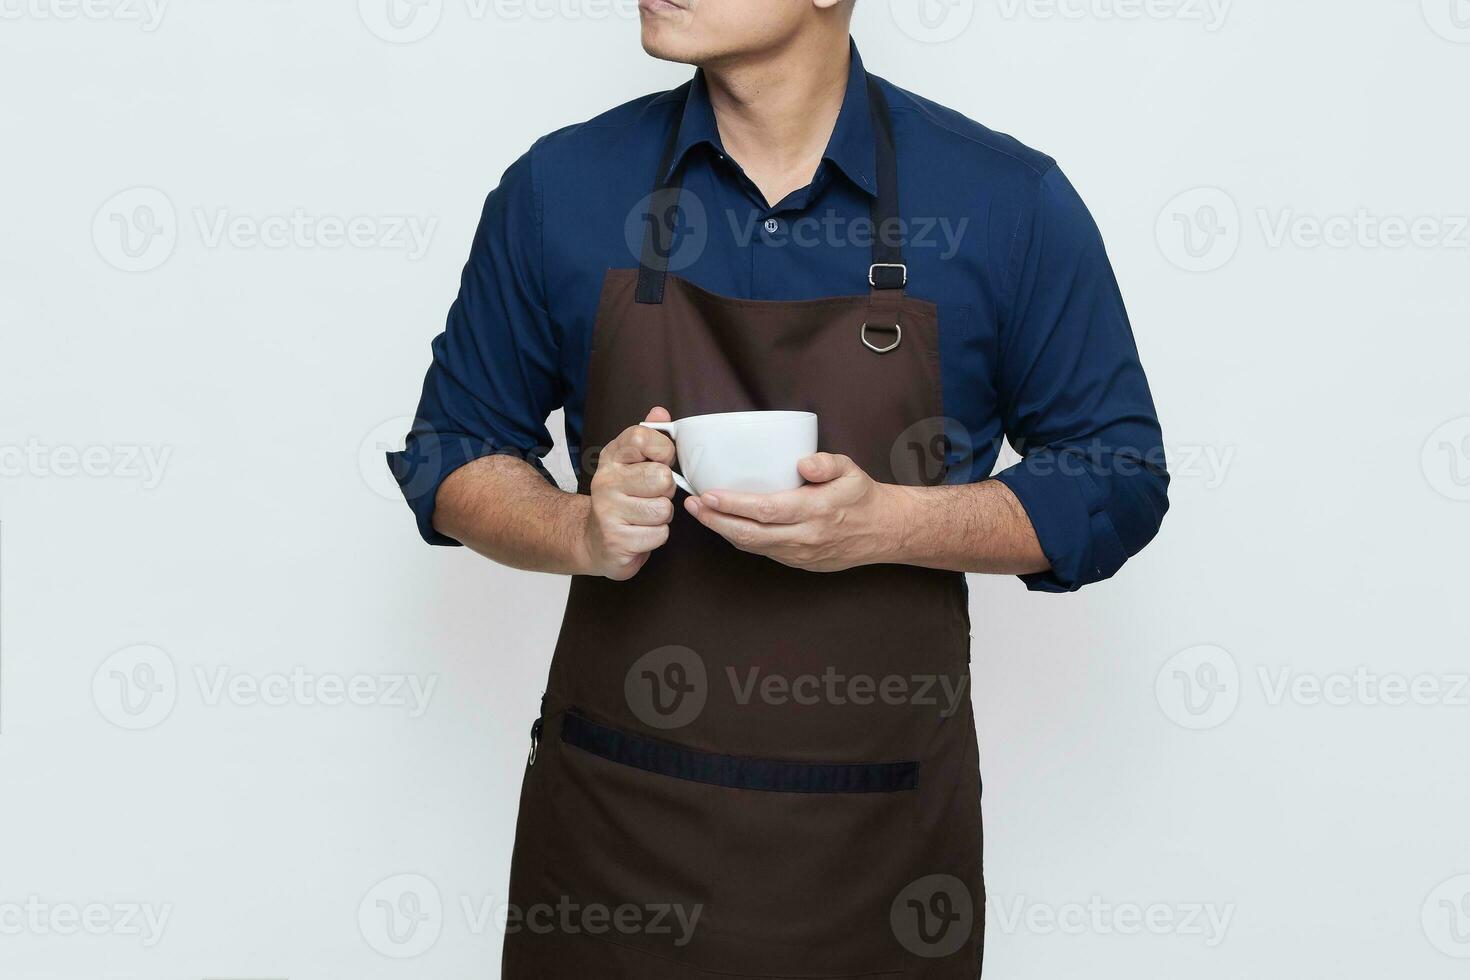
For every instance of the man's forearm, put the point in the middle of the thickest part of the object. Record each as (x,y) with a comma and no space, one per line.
(979,527)
(504,509)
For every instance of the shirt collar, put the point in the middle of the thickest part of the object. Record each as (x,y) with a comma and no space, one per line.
(851,148)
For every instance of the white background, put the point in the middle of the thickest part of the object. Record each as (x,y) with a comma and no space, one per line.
(1137,748)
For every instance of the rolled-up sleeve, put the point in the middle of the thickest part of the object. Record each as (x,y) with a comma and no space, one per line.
(1074,399)
(494,377)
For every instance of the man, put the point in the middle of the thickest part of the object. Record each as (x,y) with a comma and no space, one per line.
(741,767)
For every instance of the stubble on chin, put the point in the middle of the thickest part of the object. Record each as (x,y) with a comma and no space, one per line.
(663,42)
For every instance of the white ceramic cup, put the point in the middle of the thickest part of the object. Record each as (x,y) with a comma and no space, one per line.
(753,452)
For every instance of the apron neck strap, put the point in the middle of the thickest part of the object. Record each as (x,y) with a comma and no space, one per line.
(888,271)
(661,221)
(887,275)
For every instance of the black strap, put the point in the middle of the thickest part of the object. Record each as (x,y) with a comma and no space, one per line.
(735,772)
(661,221)
(887,275)
(888,271)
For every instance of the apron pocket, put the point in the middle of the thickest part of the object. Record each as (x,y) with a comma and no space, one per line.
(735,772)
(775,868)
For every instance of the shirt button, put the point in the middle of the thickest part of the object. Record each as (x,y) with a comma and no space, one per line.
(772,226)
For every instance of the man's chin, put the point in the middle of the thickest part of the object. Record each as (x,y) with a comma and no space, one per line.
(659,44)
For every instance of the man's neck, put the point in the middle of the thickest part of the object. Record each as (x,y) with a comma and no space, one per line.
(776,115)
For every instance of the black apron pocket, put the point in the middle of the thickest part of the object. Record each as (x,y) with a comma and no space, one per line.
(735,772)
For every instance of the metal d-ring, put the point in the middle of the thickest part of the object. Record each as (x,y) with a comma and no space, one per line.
(897,338)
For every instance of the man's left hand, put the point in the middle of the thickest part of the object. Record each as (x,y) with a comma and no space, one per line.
(842,517)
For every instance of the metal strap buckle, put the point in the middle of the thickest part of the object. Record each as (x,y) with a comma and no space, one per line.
(897,338)
(872,269)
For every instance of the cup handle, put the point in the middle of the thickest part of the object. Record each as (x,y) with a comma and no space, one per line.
(671,429)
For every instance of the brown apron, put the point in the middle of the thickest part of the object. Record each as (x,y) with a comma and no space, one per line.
(742,769)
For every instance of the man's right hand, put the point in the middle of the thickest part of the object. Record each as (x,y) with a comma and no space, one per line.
(632,501)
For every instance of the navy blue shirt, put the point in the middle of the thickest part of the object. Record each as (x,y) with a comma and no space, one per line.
(1035,343)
